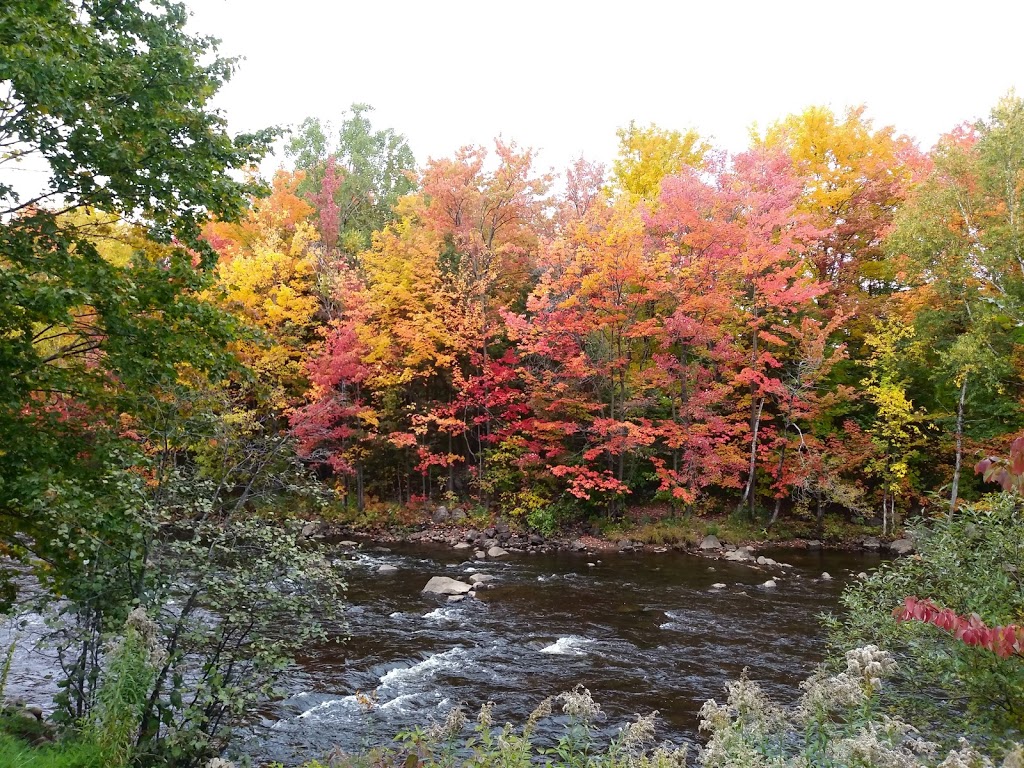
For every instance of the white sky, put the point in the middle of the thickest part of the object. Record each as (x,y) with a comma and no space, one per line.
(561,76)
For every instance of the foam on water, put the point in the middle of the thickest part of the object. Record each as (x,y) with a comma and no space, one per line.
(454,658)
(573,645)
(444,613)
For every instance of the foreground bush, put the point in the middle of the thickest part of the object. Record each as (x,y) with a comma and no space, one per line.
(970,563)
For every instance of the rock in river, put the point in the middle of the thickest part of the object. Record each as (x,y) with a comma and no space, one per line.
(496,552)
(384,570)
(442,585)
(710,542)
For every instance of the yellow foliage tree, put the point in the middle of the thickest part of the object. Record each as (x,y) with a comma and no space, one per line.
(268,276)
(647,155)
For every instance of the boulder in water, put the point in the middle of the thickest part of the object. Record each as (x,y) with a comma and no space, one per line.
(480,578)
(385,570)
(496,552)
(739,556)
(442,585)
(770,584)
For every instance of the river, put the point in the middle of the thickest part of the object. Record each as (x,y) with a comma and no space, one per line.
(642,631)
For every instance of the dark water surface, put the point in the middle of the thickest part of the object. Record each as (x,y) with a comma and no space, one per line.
(641,631)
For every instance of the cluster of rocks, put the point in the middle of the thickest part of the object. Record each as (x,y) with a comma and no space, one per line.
(26,721)
(495,541)
(456,590)
(903,546)
(442,515)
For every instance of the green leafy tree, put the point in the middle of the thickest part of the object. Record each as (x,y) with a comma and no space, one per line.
(959,243)
(105,106)
(356,182)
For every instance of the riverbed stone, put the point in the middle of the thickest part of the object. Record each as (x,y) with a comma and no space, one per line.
(902,547)
(718,585)
(496,552)
(871,542)
(480,555)
(710,542)
(458,515)
(826,576)
(456,598)
(814,544)
(348,544)
(739,556)
(536,539)
(440,515)
(480,578)
(309,530)
(463,545)
(385,570)
(770,584)
(443,585)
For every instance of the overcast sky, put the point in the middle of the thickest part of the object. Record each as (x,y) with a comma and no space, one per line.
(562,76)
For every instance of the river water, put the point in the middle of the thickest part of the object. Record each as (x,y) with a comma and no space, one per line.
(642,631)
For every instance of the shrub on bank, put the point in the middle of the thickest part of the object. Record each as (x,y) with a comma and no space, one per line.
(972,563)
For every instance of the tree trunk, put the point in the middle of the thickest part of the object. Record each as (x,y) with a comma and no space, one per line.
(749,493)
(959,446)
(360,489)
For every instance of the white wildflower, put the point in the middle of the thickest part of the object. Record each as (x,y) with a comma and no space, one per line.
(484,718)
(542,710)
(451,727)
(965,757)
(580,704)
(1014,758)
(636,735)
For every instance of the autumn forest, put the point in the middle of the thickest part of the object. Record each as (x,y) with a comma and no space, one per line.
(221,393)
(826,321)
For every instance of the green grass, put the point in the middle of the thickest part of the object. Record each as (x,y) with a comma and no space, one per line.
(735,529)
(15,753)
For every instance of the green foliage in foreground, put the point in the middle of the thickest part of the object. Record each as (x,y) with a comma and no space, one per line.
(15,753)
(970,562)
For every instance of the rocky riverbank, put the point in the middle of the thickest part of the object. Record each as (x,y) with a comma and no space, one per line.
(499,539)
